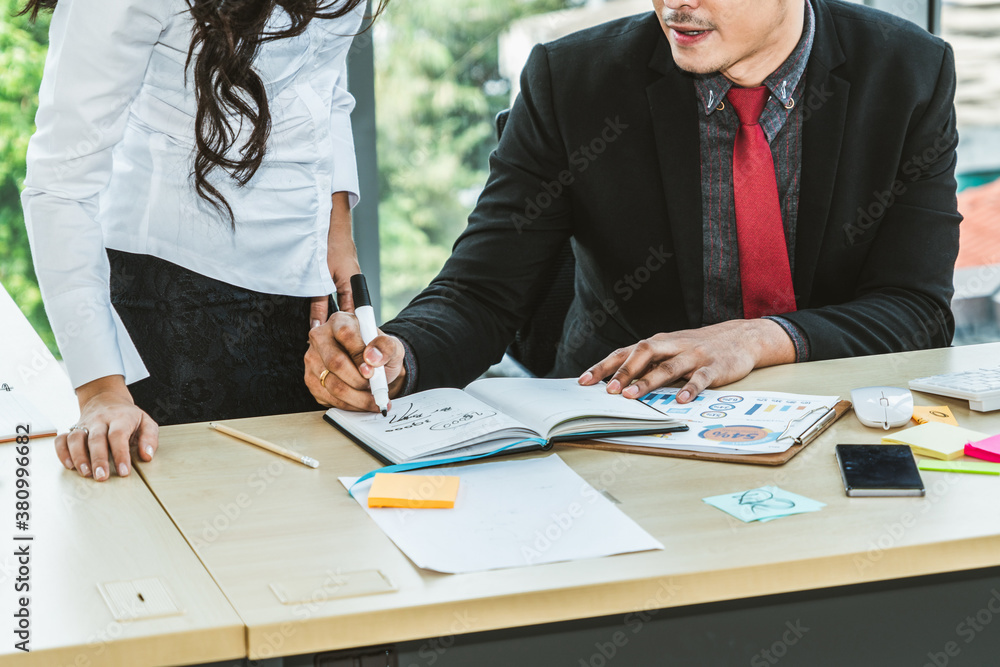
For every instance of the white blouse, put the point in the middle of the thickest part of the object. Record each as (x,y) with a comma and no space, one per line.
(111,161)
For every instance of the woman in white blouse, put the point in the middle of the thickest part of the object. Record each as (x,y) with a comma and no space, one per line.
(188,200)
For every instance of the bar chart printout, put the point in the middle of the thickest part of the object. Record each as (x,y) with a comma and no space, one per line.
(748,422)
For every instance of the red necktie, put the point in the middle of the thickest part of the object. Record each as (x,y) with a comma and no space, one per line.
(764,272)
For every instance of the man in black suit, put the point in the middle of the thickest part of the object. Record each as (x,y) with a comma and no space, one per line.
(744,183)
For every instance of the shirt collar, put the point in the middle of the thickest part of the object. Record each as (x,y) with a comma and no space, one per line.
(712,88)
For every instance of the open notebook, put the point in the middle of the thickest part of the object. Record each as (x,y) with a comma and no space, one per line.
(528,413)
(19,416)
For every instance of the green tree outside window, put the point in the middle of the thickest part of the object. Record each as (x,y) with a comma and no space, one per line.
(22,59)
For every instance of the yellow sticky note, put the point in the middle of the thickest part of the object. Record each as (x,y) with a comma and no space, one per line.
(935,440)
(933,413)
(413,491)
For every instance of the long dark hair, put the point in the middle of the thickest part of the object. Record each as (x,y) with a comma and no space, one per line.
(228,36)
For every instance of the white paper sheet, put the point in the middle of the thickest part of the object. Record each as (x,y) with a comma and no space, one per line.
(510,514)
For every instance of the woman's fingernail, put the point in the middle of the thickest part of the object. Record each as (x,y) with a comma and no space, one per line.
(98,472)
(586,377)
(314,324)
(614,387)
(68,463)
(122,470)
(684,396)
(149,451)
(84,469)
(631,391)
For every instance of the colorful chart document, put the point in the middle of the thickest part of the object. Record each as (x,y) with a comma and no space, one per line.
(510,514)
(745,422)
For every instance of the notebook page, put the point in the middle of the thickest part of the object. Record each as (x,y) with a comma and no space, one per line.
(543,403)
(27,366)
(429,422)
(15,410)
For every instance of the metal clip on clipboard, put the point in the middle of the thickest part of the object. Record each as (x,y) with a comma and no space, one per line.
(828,416)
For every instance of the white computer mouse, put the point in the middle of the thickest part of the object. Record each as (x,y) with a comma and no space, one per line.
(885,407)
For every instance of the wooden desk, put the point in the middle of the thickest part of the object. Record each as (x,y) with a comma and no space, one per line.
(256,519)
(86,534)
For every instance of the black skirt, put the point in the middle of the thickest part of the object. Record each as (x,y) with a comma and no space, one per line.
(214,351)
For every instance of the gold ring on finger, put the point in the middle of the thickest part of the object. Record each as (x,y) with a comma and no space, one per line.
(322,377)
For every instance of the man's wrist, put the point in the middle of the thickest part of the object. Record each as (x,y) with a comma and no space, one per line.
(396,386)
(408,374)
(798,337)
(775,345)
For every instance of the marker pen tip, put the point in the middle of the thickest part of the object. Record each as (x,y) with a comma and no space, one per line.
(385,413)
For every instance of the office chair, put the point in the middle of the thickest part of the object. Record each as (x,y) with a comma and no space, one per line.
(535,343)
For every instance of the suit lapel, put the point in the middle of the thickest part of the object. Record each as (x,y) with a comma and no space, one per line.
(673,108)
(825,113)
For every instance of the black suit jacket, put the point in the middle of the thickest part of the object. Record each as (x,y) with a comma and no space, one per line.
(602,146)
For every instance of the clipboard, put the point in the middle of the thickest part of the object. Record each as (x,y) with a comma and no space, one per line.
(777,459)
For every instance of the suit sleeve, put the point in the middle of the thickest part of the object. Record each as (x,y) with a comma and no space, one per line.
(902,298)
(464,320)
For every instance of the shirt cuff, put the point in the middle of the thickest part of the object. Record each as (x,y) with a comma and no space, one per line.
(92,339)
(799,339)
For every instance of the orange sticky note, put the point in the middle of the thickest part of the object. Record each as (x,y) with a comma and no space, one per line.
(413,491)
(933,413)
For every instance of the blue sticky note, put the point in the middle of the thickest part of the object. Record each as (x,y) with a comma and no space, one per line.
(764,503)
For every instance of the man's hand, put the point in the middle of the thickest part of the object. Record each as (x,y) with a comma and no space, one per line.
(708,357)
(337,347)
(109,423)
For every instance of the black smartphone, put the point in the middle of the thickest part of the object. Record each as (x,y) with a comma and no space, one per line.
(879,470)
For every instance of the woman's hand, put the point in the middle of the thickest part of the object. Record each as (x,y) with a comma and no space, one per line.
(109,420)
(341,257)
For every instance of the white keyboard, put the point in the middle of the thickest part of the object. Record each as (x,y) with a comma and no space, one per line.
(981,387)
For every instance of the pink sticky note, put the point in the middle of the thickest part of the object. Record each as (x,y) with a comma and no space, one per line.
(987,450)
